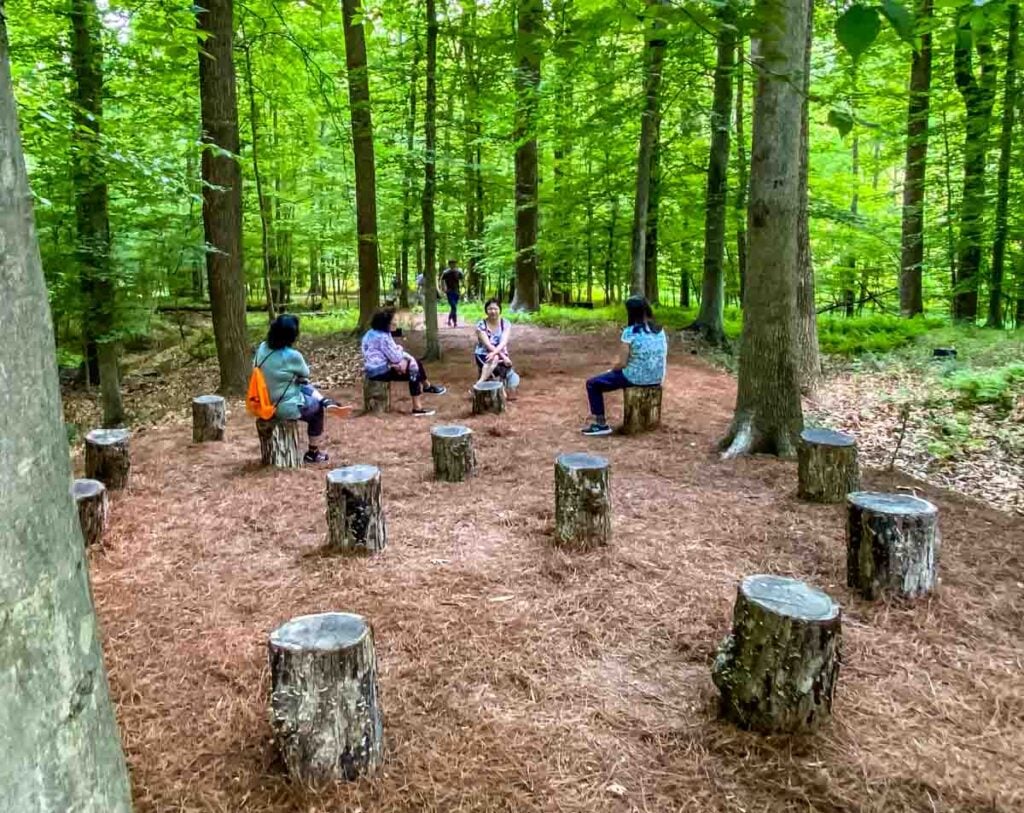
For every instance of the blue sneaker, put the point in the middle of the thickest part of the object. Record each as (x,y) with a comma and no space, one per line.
(596,429)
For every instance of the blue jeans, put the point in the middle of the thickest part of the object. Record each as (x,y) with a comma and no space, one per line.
(453,305)
(312,412)
(599,385)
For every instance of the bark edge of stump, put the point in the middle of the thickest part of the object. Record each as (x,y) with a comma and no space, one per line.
(641,409)
(108,457)
(209,418)
(355,510)
(451,448)
(827,465)
(376,396)
(279,443)
(582,500)
(488,398)
(93,509)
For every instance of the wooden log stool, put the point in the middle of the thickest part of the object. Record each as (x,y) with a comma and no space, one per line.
(826,465)
(376,396)
(641,409)
(355,512)
(107,457)
(777,671)
(209,418)
(582,502)
(91,499)
(892,544)
(279,443)
(488,398)
(452,450)
(324,701)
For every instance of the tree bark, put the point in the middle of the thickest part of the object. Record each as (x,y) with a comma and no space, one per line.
(709,322)
(912,249)
(488,398)
(376,396)
(807,312)
(365,166)
(279,443)
(59,747)
(209,418)
(582,501)
(91,499)
(979,93)
(92,219)
(641,409)
(108,457)
(827,466)
(654,56)
(528,49)
(433,344)
(768,414)
(355,513)
(222,193)
(995,302)
(740,203)
(653,204)
(452,450)
(410,172)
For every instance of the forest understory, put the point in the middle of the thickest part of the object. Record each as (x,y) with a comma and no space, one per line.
(515,677)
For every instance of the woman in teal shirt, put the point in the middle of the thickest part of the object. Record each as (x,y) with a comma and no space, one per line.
(641,362)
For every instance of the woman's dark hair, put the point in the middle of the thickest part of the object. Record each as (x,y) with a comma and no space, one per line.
(381,320)
(284,330)
(639,315)
(492,301)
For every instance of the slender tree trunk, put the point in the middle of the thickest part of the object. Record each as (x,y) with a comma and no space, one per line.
(709,320)
(979,97)
(948,178)
(609,257)
(410,170)
(59,747)
(655,54)
(433,349)
(528,47)
(912,251)
(995,303)
(807,312)
(651,242)
(92,220)
(366,173)
(768,414)
(740,204)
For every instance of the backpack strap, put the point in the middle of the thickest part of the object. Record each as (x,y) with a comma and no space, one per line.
(287,387)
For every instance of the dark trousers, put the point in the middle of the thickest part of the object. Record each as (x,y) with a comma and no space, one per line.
(599,385)
(453,305)
(415,375)
(312,413)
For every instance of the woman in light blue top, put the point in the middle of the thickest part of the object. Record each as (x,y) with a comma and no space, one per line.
(641,362)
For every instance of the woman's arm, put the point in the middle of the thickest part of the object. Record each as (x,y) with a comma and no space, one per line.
(623,356)
(506,334)
(392,352)
(485,340)
(296,364)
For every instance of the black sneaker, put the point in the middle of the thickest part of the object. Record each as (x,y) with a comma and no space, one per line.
(423,413)
(596,429)
(315,457)
(435,390)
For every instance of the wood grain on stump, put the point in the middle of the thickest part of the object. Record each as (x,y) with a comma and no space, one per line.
(488,397)
(324,701)
(107,457)
(355,512)
(452,450)
(279,443)
(777,671)
(209,418)
(827,465)
(91,499)
(892,544)
(641,409)
(582,502)
(376,396)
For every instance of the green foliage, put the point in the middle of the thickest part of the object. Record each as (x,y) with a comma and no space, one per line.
(857,28)
(999,386)
(870,334)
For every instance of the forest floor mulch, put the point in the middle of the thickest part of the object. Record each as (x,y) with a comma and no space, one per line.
(516,677)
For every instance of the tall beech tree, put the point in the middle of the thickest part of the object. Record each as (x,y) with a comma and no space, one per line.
(365,163)
(222,191)
(807,312)
(59,745)
(92,220)
(768,416)
(433,349)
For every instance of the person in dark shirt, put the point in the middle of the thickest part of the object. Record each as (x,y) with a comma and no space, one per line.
(451,279)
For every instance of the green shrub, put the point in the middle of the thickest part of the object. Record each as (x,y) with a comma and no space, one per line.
(992,386)
(876,333)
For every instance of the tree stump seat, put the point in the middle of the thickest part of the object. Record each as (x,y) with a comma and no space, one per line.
(91,499)
(209,418)
(488,397)
(355,512)
(892,544)
(641,409)
(777,671)
(452,450)
(324,702)
(582,501)
(107,457)
(827,467)
(376,396)
(279,443)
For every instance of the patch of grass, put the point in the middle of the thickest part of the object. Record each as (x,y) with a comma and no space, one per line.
(876,333)
(995,385)
(310,324)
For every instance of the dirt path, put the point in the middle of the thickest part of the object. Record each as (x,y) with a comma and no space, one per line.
(518,678)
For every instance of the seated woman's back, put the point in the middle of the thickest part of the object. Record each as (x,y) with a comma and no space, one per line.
(648,347)
(284,369)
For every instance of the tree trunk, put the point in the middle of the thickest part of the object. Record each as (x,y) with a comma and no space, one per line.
(355,513)
(979,95)
(528,47)
(410,172)
(433,348)
(912,251)
(807,312)
(365,168)
(59,735)
(654,56)
(92,219)
(740,204)
(452,450)
(651,245)
(768,414)
(582,501)
(709,320)
(222,193)
(995,303)
(827,467)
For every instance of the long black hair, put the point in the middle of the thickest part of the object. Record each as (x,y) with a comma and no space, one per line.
(640,317)
(381,320)
(284,330)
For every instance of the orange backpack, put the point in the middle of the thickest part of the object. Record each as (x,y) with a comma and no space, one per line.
(257,397)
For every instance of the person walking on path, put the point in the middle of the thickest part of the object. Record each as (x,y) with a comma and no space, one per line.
(451,279)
